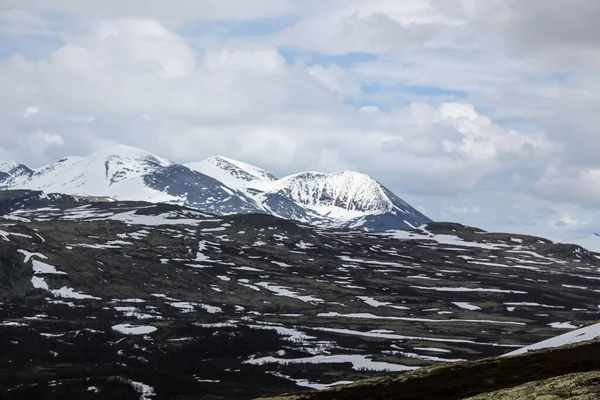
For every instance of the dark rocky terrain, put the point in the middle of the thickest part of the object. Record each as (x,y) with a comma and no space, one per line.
(570,372)
(138,300)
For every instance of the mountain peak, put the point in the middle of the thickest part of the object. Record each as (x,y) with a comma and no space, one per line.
(127,152)
(115,171)
(6,166)
(339,195)
(220,158)
(222,185)
(233,173)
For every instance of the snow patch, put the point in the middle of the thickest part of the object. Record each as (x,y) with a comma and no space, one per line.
(359,362)
(466,306)
(129,329)
(580,335)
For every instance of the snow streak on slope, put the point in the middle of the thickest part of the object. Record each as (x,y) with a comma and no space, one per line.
(233,173)
(343,195)
(580,335)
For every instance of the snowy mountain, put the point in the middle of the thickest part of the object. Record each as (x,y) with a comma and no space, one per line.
(222,186)
(127,173)
(116,172)
(6,166)
(344,199)
(231,172)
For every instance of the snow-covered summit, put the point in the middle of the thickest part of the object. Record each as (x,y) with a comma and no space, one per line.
(222,185)
(114,164)
(340,199)
(115,172)
(6,166)
(231,172)
(342,195)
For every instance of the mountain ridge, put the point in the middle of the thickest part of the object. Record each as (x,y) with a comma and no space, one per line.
(222,186)
(230,171)
(591,242)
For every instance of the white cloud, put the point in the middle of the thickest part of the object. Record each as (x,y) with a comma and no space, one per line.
(566,221)
(81,118)
(290,117)
(335,79)
(568,183)
(369,109)
(489,103)
(173,10)
(21,22)
(462,210)
(143,45)
(372,26)
(550,26)
(39,142)
(31,110)
(329,160)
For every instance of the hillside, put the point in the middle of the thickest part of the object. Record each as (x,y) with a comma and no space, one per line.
(563,371)
(113,295)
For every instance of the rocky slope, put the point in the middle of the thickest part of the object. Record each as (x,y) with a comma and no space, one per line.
(569,371)
(127,299)
(222,186)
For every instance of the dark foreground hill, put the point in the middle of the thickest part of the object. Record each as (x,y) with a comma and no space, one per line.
(119,300)
(567,372)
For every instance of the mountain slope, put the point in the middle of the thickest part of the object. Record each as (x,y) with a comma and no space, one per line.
(105,293)
(343,195)
(128,173)
(222,186)
(345,199)
(231,172)
(116,172)
(200,191)
(567,372)
(590,332)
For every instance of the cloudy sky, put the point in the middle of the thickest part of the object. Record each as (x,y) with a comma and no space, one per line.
(478,111)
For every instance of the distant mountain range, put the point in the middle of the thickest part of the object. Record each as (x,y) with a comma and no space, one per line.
(222,186)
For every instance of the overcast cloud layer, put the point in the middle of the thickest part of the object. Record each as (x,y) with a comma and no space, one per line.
(478,111)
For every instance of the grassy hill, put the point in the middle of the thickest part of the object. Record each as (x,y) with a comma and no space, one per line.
(567,372)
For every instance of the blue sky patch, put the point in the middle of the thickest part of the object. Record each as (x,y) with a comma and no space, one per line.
(434,91)
(33,47)
(293,55)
